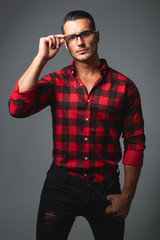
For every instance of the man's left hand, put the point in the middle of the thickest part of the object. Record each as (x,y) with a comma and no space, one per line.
(119,207)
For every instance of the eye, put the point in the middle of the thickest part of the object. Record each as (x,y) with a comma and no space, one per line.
(85,34)
(71,37)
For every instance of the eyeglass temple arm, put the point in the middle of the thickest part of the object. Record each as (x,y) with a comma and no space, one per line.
(62,38)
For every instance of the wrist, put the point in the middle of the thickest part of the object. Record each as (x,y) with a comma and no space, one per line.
(41,60)
(128,195)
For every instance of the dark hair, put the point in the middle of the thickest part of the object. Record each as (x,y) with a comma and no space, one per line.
(75,15)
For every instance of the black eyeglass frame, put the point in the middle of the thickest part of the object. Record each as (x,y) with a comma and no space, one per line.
(78,35)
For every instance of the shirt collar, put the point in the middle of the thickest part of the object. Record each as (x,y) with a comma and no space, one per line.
(104,67)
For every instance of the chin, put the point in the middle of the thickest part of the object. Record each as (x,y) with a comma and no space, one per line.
(82,58)
(85,57)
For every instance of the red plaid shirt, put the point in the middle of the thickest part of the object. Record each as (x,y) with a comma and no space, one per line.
(87,127)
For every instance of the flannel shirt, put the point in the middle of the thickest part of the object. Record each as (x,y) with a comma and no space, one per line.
(87,127)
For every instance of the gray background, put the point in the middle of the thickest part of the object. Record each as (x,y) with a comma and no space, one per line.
(130,32)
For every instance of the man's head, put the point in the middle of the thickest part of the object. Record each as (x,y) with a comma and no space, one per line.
(75,15)
(80,35)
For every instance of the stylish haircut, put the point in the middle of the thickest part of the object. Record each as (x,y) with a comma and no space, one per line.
(75,15)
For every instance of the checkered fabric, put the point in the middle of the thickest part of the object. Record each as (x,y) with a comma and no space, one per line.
(87,127)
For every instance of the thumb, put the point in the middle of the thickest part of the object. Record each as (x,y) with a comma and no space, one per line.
(61,38)
(62,41)
(109,198)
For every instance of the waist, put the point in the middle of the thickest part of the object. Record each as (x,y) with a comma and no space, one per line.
(61,174)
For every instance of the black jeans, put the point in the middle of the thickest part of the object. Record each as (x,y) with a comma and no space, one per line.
(64,197)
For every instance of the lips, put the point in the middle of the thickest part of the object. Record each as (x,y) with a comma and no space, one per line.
(82,50)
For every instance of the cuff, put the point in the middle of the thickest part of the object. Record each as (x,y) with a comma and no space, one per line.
(26,96)
(134,158)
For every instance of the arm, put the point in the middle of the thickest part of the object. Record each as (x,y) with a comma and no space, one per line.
(131,177)
(134,144)
(28,94)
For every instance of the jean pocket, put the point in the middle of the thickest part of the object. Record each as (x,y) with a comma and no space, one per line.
(112,186)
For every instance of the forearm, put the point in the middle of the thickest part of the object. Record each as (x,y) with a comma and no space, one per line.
(131,177)
(30,77)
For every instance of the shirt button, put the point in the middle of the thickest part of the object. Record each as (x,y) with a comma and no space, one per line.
(85,175)
(88,100)
(80,84)
(86,119)
(86,158)
(86,139)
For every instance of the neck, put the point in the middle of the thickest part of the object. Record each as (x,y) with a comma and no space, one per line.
(88,67)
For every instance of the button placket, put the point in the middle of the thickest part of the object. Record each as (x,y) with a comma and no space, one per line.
(86,136)
(85,175)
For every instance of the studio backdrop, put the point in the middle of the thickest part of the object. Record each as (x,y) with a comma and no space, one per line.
(129,41)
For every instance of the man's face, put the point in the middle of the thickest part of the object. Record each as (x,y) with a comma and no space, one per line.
(81,49)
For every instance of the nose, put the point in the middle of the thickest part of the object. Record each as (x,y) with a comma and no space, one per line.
(80,41)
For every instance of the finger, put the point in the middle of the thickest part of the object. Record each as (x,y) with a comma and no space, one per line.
(114,215)
(109,211)
(54,45)
(61,38)
(56,37)
(49,41)
(62,41)
(57,42)
(60,35)
(110,197)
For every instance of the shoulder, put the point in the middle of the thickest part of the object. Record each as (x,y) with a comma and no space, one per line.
(121,79)
(58,75)
(62,72)
(119,76)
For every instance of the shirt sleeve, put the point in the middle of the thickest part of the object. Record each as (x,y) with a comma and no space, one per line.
(133,128)
(27,103)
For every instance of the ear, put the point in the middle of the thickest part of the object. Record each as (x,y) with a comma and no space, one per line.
(97,36)
(65,44)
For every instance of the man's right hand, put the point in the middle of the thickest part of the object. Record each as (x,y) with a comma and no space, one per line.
(49,46)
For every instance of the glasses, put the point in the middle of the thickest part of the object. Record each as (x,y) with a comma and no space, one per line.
(85,35)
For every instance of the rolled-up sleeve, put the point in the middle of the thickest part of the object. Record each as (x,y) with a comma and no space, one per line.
(133,128)
(26,103)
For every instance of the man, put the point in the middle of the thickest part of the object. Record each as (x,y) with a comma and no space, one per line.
(91,106)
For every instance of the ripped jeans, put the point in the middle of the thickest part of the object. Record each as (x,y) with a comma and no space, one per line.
(64,197)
